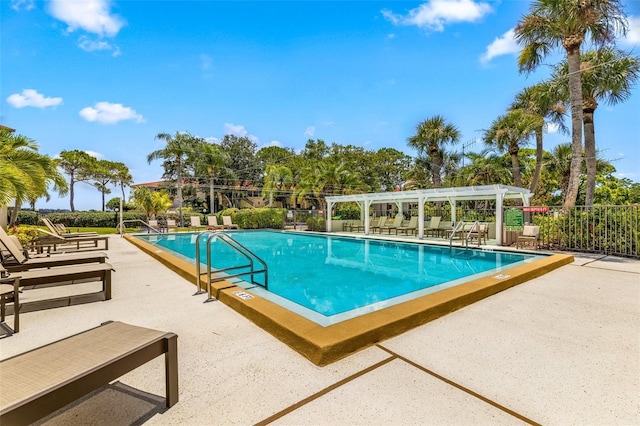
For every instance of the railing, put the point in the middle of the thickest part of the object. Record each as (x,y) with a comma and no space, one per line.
(224,238)
(149,227)
(475,228)
(612,230)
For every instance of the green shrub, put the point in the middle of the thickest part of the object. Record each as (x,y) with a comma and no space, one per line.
(25,233)
(259,218)
(316,224)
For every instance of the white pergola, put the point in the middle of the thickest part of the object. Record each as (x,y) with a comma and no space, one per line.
(499,193)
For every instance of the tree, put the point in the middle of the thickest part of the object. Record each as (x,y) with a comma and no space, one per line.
(431,135)
(243,160)
(79,166)
(152,203)
(25,174)
(511,131)
(392,167)
(211,161)
(608,75)
(174,155)
(553,23)
(122,177)
(486,168)
(105,172)
(540,100)
(558,164)
(276,178)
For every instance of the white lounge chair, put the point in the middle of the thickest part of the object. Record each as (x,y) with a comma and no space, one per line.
(226,222)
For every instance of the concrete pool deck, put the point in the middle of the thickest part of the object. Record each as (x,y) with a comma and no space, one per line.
(559,349)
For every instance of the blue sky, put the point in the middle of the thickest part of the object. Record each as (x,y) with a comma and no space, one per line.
(107,76)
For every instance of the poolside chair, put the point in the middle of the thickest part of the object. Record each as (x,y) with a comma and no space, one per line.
(195,223)
(478,232)
(212,221)
(226,222)
(52,242)
(171,225)
(412,226)
(153,225)
(54,229)
(381,222)
(9,292)
(530,234)
(42,380)
(397,222)
(20,261)
(434,226)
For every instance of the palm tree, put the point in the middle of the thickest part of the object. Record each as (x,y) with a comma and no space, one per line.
(122,177)
(607,74)
(25,174)
(174,155)
(558,164)
(276,177)
(486,168)
(509,132)
(211,160)
(553,23)
(429,139)
(540,100)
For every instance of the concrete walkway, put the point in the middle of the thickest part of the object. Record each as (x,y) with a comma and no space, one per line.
(561,349)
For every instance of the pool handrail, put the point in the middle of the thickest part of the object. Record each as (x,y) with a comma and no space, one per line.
(234,245)
(460,227)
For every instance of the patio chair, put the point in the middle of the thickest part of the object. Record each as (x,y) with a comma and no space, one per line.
(194,223)
(397,222)
(9,292)
(478,232)
(18,259)
(43,380)
(212,221)
(412,226)
(434,226)
(171,225)
(381,222)
(226,222)
(153,225)
(530,234)
(55,229)
(52,242)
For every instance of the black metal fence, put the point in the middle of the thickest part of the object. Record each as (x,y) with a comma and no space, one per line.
(613,230)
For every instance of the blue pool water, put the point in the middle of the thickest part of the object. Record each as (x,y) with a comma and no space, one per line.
(329,278)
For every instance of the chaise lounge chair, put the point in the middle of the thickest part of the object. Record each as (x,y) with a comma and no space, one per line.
(397,222)
(41,381)
(52,242)
(21,262)
(434,226)
(54,229)
(381,222)
(412,226)
(195,223)
(212,221)
(226,222)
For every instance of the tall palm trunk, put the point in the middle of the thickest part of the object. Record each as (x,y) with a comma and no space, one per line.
(590,106)
(536,171)
(435,167)
(212,194)
(575,95)
(515,164)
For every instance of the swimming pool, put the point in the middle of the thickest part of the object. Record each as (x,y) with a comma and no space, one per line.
(325,339)
(329,279)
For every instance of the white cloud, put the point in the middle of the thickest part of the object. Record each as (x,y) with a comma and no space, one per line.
(32,98)
(92,16)
(275,143)
(504,45)
(633,35)
(212,139)
(90,45)
(435,14)
(552,127)
(239,131)
(108,113)
(22,4)
(310,131)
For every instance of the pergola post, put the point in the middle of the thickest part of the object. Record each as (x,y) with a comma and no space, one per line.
(499,218)
(420,217)
(367,220)
(329,209)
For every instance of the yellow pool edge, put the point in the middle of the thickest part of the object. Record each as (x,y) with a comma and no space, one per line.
(324,345)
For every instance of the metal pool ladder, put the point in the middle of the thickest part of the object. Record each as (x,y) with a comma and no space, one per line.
(460,227)
(226,239)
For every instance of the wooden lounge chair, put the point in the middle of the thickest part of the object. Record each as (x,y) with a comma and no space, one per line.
(54,242)
(381,222)
(226,222)
(43,380)
(171,225)
(412,226)
(212,221)
(65,275)
(530,234)
(55,229)
(21,262)
(9,292)
(397,222)
(434,226)
(195,223)
(478,232)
